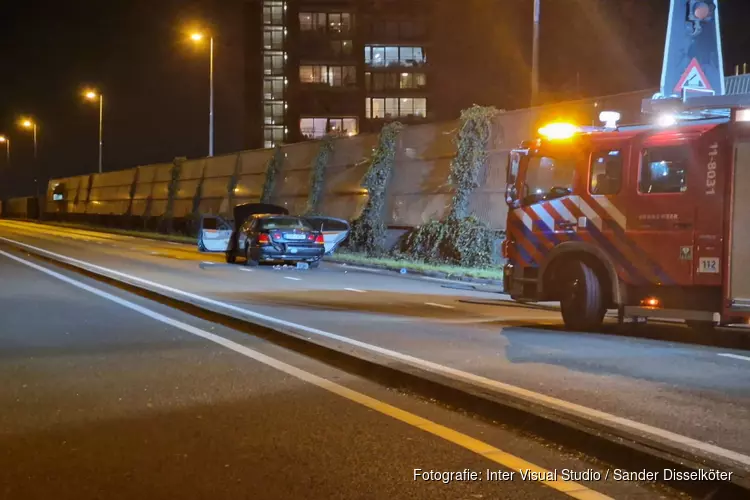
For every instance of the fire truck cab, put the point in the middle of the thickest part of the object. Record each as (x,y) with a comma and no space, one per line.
(652,221)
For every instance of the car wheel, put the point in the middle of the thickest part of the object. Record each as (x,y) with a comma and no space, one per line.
(582,302)
(249,262)
(314,264)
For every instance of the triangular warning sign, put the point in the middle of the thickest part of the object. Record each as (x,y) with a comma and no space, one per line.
(694,77)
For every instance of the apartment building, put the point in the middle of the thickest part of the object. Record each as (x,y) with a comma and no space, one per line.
(341,66)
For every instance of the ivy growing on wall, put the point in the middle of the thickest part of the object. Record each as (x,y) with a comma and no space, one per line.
(272,169)
(368,230)
(460,238)
(317,176)
(232,184)
(167,220)
(472,143)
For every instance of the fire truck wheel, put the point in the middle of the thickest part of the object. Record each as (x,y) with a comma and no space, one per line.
(582,301)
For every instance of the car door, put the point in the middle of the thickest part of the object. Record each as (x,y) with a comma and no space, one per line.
(214,235)
(335,231)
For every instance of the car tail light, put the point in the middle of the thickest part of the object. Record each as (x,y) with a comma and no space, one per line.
(320,240)
(277,236)
(263,239)
(311,237)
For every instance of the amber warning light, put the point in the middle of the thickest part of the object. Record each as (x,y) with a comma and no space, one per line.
(558,131)
(651,302)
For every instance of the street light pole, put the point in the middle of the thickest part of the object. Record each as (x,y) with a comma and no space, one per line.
(211,101)
(198,37)
(91,95)
(7,149)
(35,147)
(101,129)
(535,55)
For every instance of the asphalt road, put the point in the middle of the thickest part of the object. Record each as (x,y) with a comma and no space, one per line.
(699,392)
(107,395)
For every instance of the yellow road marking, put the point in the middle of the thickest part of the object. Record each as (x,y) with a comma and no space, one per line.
(92,236)
(507,460)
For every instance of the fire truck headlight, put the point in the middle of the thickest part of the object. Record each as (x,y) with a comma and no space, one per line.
(558,131)
(666,121)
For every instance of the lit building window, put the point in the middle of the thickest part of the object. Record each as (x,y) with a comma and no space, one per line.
(273,13)
(378,56)
(393,107)
(334,22)
(273,64)
(273,87)
(335,76)
(273,38)
(313,74)
(313,128)
(273,135)
(273,113)
(316,128)
(378,82)
(412,80)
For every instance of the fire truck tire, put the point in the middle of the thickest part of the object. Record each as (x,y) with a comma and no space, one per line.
(582,302)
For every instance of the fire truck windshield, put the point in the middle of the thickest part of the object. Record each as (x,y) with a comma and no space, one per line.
(546,177)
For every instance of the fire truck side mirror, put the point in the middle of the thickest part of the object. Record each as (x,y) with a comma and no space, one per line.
(511,194)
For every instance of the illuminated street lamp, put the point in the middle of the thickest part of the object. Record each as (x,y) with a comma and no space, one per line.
(30,124)
(93,96)
(6,141)
(198,37)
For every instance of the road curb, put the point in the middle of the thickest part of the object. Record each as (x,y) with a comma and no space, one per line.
(619,447)
(429,274)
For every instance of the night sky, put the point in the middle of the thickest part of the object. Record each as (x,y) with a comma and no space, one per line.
(155,82)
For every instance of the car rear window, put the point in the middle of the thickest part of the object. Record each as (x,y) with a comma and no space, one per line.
(327,224)
(283,223)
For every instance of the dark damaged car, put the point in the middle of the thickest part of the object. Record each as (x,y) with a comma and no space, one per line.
(263,233)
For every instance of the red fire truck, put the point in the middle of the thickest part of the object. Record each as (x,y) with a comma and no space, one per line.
(652,221)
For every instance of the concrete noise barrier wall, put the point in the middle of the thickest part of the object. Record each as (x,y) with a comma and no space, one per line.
(420,189)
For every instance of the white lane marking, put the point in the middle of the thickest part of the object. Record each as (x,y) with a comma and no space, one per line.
(536,320)
(443,306)
(293,279)
(501,387)
(465,441)
(246,270)
(208,263)
(355,290)
(734,356)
